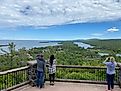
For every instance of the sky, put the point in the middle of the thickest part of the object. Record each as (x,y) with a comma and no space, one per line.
(60,19)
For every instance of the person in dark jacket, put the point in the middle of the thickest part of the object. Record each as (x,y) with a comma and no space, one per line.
(41,65)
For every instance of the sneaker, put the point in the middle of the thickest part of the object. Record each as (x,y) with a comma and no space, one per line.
(40,86)
(50,83)
(53,83)
(43,86)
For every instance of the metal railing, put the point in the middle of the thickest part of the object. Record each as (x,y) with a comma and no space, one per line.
(87,74)
(13,77)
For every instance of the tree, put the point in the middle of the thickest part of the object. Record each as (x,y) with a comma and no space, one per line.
(12,52)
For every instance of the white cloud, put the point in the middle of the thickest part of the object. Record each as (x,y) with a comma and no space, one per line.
(113,29)
(44,13)
(97,34)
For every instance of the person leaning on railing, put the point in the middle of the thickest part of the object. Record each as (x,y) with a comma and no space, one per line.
(41,65)
(110,73)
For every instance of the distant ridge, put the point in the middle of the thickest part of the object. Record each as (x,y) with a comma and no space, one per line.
(3,45)
(44,42)
(112,44)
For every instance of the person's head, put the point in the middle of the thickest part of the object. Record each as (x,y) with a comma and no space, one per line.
(39,56)
(51,59)
(112,59)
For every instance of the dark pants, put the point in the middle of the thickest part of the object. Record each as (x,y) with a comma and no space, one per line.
(52,77)
(110,81)
(40,79)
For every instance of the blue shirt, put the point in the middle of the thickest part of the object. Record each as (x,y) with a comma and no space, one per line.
(110,67)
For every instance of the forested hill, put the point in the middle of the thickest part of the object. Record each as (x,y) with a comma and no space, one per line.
(112,44)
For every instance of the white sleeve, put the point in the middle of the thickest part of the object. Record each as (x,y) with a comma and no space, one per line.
(115,63)
(107,63)
(54,61)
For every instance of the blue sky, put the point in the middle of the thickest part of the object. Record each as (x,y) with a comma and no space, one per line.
(65,32)
(60,19)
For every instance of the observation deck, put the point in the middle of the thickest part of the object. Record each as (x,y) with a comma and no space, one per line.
(68,78)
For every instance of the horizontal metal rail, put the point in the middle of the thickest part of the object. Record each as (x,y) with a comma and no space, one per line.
(13,77)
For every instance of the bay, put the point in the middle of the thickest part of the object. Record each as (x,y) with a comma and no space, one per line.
(85,46)
(28,44)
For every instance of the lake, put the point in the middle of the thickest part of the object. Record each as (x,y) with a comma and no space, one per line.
(27,43)
(85,46)
(106,54)
(80,44)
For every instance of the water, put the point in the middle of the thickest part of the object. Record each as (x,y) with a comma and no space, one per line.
(85,46)
(28,44)
(106,54)
(119,55)
(103,54)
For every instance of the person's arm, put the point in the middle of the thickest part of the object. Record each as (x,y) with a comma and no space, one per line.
(55,62)
(47,63)
(105,61)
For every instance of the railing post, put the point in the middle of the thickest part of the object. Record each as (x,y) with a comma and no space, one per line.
(32,72)
(120,75)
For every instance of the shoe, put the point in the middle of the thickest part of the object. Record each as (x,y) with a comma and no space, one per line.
(50,83)
(37,86)
(40,86)
(43,86)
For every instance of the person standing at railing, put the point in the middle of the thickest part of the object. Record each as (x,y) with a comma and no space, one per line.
(110,73)
(41,65)
(52,69)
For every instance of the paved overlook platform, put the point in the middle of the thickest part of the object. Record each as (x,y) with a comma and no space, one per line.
(91,80)
(65,86)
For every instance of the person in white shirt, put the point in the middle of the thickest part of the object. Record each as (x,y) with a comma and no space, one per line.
(52,69)
(110,73)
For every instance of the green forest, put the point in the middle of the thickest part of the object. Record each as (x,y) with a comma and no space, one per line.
(67,53)
(112,45)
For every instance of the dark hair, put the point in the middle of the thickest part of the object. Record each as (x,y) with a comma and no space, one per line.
(51,59)
(39,55)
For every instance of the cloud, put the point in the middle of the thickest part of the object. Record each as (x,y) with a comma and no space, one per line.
(44,13)
(113,29)
(97,34)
